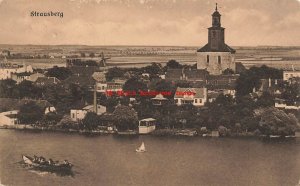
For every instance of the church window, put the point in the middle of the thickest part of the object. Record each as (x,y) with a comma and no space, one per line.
(207,59)
(219,60)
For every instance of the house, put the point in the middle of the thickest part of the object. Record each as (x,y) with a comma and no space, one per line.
(159,99)
(147,126)
(7,69)
(19,77)
(212,95)
(194,96)
(79,114)
(8,118)
(47,81)
(290,74)
(10,107)
(222,83)
(99,76)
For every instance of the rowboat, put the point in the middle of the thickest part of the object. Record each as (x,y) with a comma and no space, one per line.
(46,165)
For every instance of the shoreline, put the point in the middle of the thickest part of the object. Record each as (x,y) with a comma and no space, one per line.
(158,133)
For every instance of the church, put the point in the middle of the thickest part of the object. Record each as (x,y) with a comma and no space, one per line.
(216,56)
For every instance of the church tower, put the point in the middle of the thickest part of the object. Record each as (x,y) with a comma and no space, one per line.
(216,56)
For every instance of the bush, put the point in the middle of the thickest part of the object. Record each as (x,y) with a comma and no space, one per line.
(223,131)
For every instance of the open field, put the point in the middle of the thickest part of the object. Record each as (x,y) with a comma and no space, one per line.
(137,56)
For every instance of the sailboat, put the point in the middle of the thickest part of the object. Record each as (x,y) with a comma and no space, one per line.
(142,148)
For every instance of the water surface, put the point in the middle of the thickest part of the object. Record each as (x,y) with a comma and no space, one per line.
(112,160)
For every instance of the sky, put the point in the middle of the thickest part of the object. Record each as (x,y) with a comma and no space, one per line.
(149,22)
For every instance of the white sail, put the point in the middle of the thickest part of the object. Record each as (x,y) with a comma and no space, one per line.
(142,148)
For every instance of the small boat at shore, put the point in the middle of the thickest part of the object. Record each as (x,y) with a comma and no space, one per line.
(43,165)
(142,148)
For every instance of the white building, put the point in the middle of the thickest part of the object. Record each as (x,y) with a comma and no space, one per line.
(7,69)
(290,74)
(194,96)
(79,114)
(8,118)
(147,126)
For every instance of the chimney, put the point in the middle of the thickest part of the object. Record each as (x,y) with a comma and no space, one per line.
(270,82)
(95,98)
(276,82)
(182,73)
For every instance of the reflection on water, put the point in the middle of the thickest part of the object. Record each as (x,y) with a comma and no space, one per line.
(112,160)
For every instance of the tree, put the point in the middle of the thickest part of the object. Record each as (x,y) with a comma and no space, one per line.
(114,73)
(291,92)
(26,89)
(265,100)
(273,121)
(91,121)
(67,123)
(153,69)
(7,87)
(165,86)
(60,73)
(250,79)
(125,117)
(228,71)
(134,85)
(173,64)
(30,113)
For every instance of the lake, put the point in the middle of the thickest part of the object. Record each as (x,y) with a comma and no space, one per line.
(111,160)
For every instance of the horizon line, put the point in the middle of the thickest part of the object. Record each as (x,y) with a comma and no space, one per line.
(121,45)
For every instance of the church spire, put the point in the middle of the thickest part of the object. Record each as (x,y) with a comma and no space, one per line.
(216,17)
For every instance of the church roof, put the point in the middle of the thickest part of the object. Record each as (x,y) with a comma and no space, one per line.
(224,48)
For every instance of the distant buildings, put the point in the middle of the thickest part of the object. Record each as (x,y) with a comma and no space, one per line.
(7,69)
(216,56)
